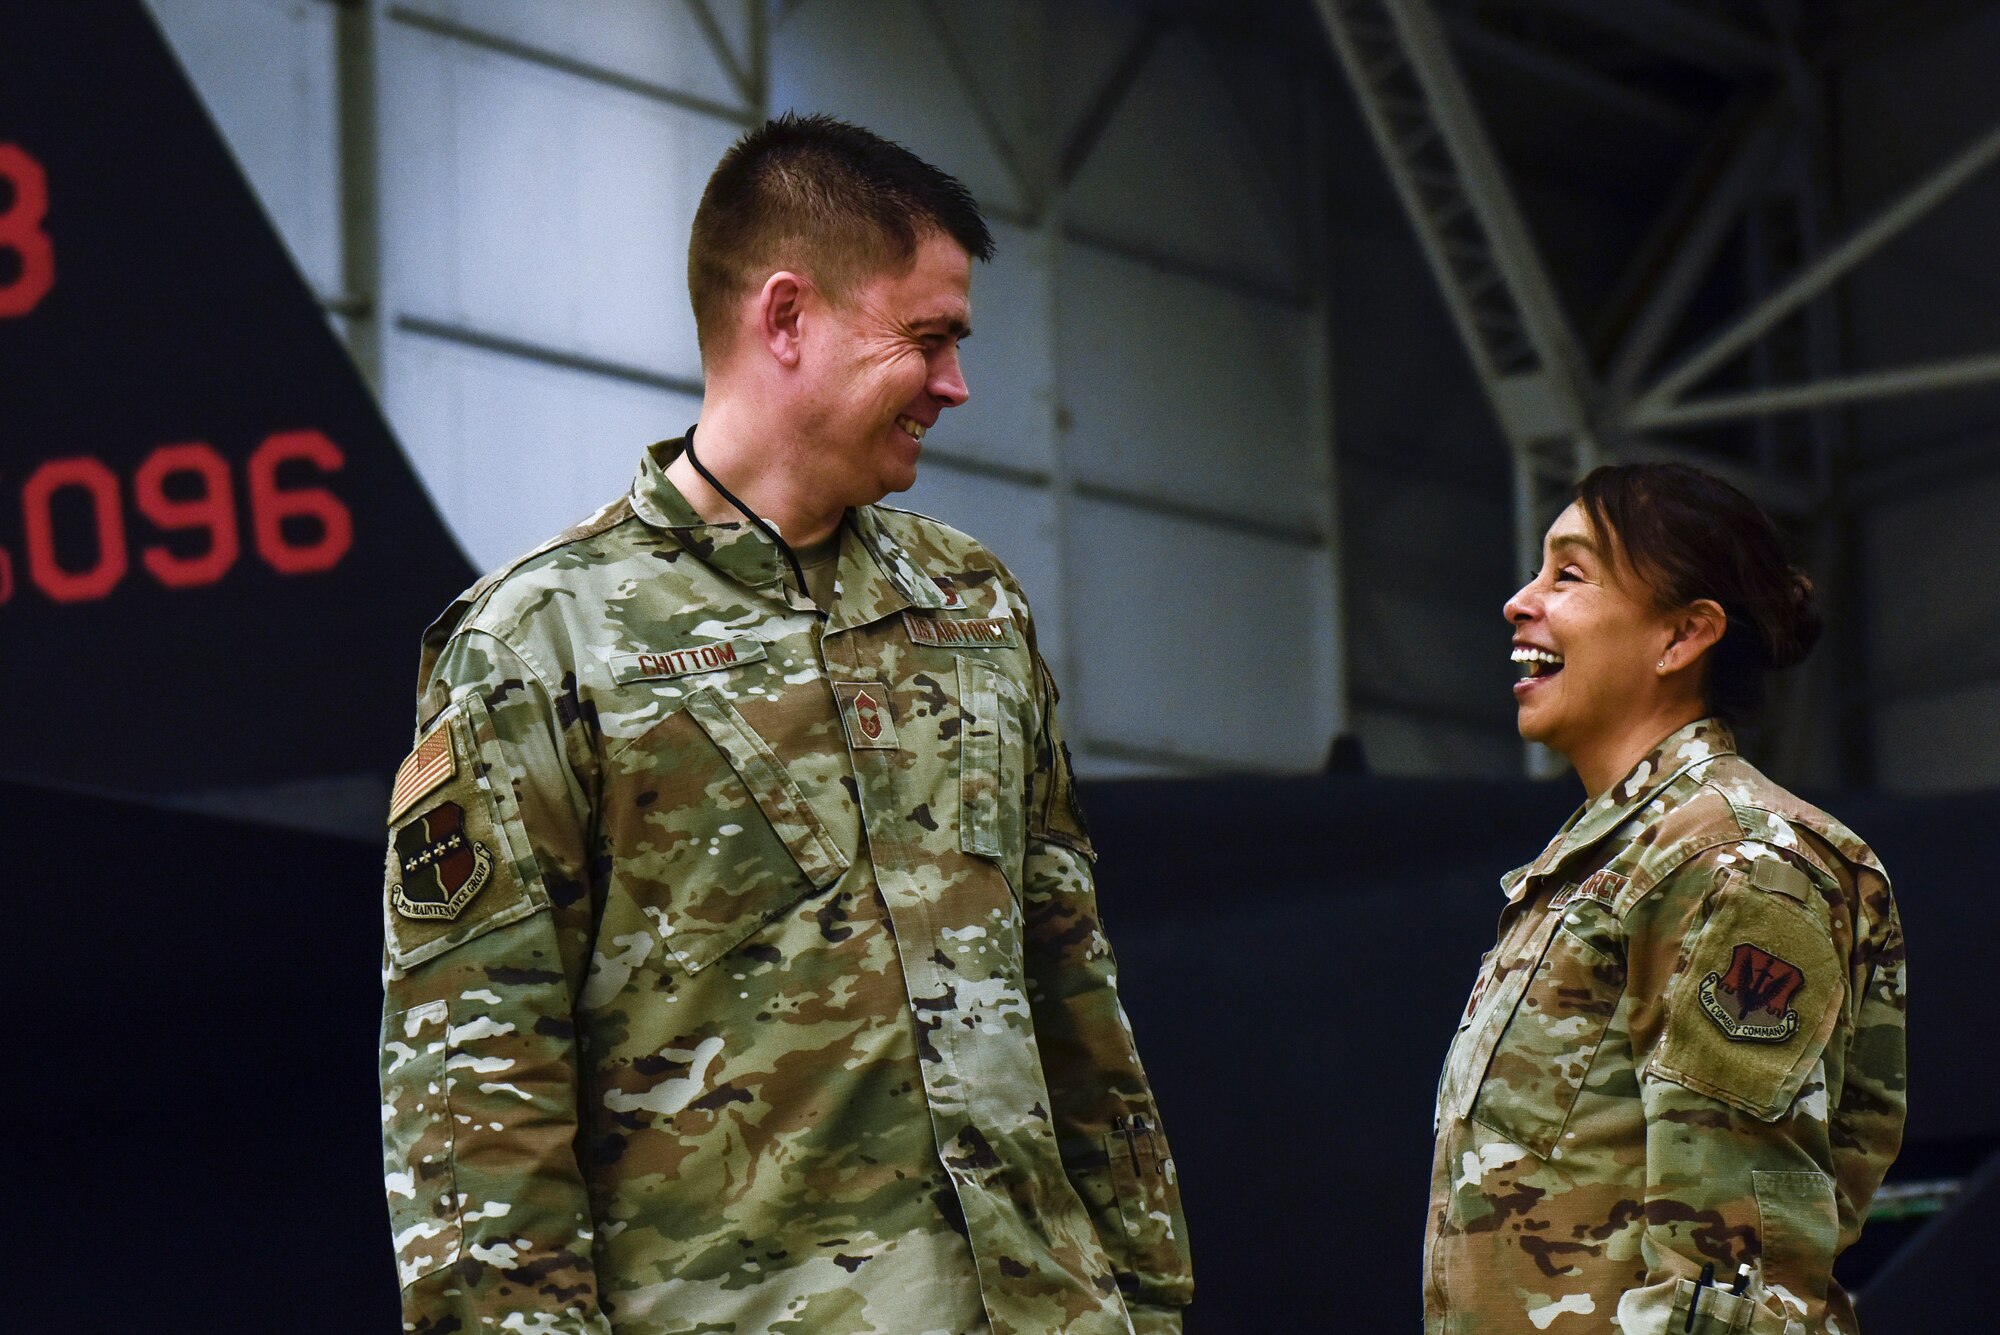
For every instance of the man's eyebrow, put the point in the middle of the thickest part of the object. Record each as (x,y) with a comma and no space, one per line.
(955,325)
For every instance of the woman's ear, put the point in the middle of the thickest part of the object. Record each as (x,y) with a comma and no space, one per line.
(1696,629)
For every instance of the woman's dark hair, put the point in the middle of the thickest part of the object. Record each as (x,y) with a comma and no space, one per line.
(1689,535)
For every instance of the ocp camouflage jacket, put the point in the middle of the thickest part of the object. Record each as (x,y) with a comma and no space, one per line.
(744,968)
(1686,1049)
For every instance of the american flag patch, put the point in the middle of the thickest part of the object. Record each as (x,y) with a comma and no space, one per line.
(422,770)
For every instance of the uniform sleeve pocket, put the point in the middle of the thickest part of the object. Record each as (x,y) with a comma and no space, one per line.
(1544,1055)
(458,863)
(1149,1204)
(1753,1008)
(417,1141)
(714,830)
(1798,1222)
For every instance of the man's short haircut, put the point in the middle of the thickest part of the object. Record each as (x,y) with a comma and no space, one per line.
(820,197)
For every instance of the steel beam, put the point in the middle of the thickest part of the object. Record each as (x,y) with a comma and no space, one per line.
(1818,275)
(1499,50)
(1722,200)
(1105,102)
(1451,183)
(1954,374)
(982,108)
(718,45)
(1499,294)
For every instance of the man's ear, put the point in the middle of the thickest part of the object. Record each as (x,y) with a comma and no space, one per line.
(781,315)
(1696,629)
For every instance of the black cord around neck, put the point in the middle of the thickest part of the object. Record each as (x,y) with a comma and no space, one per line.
(748,514)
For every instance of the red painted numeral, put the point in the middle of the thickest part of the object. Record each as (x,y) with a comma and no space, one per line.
(271,506)
(21,232)
(6,578)
(214,510)
(38,523)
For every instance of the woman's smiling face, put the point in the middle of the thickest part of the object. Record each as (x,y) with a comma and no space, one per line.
(1587,637)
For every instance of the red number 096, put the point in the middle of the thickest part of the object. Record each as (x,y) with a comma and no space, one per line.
(296,529)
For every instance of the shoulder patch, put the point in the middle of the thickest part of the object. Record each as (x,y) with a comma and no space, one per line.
(1755,1003)
(1752,1002)
(429,764)
(442,867)
(452,871)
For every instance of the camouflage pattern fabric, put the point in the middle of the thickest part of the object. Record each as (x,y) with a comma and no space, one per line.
(780,1002)
(1686,1050)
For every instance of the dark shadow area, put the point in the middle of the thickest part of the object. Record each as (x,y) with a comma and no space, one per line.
(196,1109)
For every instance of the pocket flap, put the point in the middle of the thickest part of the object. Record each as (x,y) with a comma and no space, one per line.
(782,803)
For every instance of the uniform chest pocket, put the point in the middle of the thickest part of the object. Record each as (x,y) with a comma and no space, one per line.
(991,767)
(1544,1055)
(708,833)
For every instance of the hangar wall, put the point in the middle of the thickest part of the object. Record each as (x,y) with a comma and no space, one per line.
(492,199)
(1927,481)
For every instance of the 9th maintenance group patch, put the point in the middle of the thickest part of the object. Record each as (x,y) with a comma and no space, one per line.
(450,874)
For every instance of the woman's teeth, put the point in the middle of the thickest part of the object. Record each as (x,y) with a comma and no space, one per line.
(1536,662)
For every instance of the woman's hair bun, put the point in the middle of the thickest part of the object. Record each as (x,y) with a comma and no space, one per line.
(1795,630)
(1690,535)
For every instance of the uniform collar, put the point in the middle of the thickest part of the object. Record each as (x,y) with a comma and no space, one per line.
(1674,756)
(878,576)
(740,551)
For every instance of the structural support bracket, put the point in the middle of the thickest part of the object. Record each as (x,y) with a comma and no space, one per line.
(1527,356)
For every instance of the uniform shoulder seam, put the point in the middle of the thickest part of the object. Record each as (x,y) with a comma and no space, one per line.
(1658,874)
(934,521)
(606,519)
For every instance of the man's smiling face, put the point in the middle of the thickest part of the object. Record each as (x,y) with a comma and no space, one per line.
(885,368)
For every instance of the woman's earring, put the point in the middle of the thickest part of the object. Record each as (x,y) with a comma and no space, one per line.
(1663,665)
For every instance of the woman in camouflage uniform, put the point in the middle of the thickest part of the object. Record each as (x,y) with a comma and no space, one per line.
(1679,1079)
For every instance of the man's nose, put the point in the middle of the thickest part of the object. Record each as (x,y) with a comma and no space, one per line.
(948,381)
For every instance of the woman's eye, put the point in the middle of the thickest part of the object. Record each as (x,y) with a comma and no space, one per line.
(1568,572)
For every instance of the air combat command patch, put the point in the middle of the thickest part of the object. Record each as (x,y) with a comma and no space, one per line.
(1752,1002)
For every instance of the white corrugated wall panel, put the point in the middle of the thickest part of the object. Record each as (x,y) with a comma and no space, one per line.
(531,204)
(1180,389)
(267,70)
(654,41)
(1199,641)
(1170,175)
(1009,361)
(882,64)
(1016,523)
(517,451)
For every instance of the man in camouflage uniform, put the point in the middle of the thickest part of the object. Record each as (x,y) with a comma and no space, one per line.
(744,965)
(1684,1056)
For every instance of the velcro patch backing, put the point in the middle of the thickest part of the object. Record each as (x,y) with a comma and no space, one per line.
(452,871)
(1760,995)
